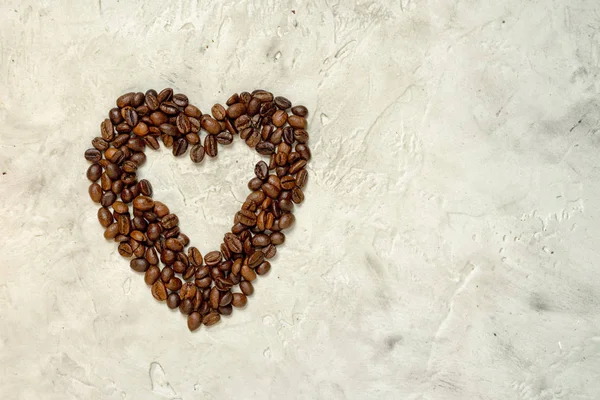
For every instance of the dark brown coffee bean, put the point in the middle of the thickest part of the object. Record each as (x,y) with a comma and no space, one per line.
(100,144)
(288,182)
(218,111)
(210,125)
(270,190)
(255,184)
(143,203)
(108,198)
(279,118)
(152,101)
(286,220)
(130,116)
(139,264)
(169,130)
(261,170)
(247,217)
(211,318)
(194,321)
(180,99)
(265,148)
(253,139)
(153,231)
(151,256)
(233,243)
(239,300)
(174,244)
(159,291)
(224,138)
(93,155)
(186,306)
(174,284)
(213,258)
(112,231)
(188,291)
(165,95)
(235,110)
(300,111)
(248,273)
(197,153)
(107,130)
(225,299)
(261,240)
(246,288)
(169,221)
(203,283)
(152,142)
(152,275)
(123,128)
(297,195)
(263,268)
(94,172)
(192,111)
(95,192)
(183,124)
(210,146)
(169,108)
(125,100)
(192,138)
(115,116)
(125,250)
(269,251)
(105,217)
(301,178)
(195,256)
(173,301)
(124,224)
(180,147)
(255,259)
(282,102)
(297,121)
(277,238)
(159,118)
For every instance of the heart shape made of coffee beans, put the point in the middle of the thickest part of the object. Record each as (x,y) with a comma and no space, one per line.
(203,288)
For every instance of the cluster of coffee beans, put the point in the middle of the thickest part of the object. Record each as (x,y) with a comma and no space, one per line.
(202,287)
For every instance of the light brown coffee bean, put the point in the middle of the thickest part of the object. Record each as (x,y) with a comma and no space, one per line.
(152,275)
(194,321)
(239,300)
(211,318)
(213,258)
(143,203)
(248,273)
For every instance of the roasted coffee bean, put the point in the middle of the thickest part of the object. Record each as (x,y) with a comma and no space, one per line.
(263,268)
(169,108)
(174,244)
(297,195)
(195,256)
(169,221)
(253,139)
(247,217)
(269,251)
(105,217)
(180,147)
(173,301)
(248,273)
(213,258)
(152,101)
(125,250)
(125,100)
(300,111)
(115,116)
(282,103)
(139,264)
(180,99)
(210,125)
(197,153)
(277,238)
(159,291)
(301,178)
(279,118)
(194,321)
(93,155)
(174,284)
(100,144)
(152,275)
(210,146)
(236,110)
(94,172)
(130,116)
(261,170)
(239,300)
(261,240)
(233,243)
(143,203)
(255,259)
(107,199)
(265,148)
(107,130)
(255,184)
(224,138)
(211,318)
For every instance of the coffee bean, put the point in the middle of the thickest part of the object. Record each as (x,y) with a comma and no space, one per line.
(94,172)
(297,121)
(282,103)
(115,116)
(125,100)
(194,321)
(139,264)
(261,240)
(105,217)
(107,199)
(279,118)
(233,243)
(143,203)
(169,108)
(300,111)
(210,125)
(125,250)
(297,195)
(174,284)
(180,147)
(195,256)
(263,268)
(210,146)
(213,258)
(180,99)
(247,273)
(130,116)
(173,301)
(224,138)
(169,221)
(277,238)
(301,178)
(174,244)
(239,300)
(218,111)
(269,251)
(286,220)
(261,170)
(255,259)
(152,275)
(93,155)
(247,217)
(159,291)
(197,153)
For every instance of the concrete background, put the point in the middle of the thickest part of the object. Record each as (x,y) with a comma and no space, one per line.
(448,245)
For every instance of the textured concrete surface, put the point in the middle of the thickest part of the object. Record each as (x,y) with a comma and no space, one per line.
(448,245)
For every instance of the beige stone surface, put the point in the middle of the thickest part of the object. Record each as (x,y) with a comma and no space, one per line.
(448,245)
